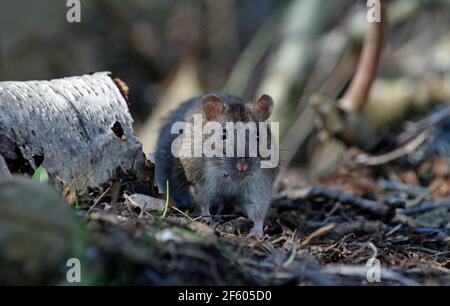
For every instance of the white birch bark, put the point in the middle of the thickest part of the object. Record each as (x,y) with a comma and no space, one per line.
(67,126)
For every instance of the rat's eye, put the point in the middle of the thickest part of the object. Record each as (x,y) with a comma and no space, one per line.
(224,134)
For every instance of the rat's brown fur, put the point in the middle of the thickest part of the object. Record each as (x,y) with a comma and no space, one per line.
(203,181)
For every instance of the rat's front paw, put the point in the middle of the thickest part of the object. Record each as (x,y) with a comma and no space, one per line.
(256,231)
(207,219)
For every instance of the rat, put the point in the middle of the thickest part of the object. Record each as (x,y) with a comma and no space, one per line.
(203,182)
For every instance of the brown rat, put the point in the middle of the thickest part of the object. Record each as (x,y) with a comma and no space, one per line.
(207,181)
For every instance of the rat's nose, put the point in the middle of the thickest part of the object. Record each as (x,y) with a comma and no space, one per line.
(241,166)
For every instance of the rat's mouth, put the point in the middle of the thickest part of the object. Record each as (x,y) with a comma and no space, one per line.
(236,177)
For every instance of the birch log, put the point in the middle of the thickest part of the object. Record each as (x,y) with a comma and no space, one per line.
(4,171)
(78,128)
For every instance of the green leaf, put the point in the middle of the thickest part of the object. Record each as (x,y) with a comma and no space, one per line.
(40,175)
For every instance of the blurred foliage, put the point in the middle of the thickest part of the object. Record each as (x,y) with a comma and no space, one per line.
(170,50)
(140,41)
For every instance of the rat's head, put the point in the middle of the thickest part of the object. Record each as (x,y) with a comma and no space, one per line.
(240,133)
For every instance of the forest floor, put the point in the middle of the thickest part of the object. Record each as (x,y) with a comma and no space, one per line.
(336,230)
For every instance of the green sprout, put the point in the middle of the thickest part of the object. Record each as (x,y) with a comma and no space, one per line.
(40,175)
(166,207)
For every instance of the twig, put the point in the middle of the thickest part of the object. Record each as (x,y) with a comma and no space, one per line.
(362,226)
(423,124)
(393,155)
(337,195)
(425,230)
(98,199)
(399,186)
(293,250)
(424,207)
(215,216)
(181,212)
(313,193)
(362,271)
(317,233)
(396,228)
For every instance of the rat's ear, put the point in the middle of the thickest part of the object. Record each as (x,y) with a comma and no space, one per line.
(212,106)
(262,108)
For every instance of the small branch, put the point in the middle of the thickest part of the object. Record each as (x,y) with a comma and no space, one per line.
(338,196)
(317,233)
(425,207)
(98,199)
(362,272)
(423,124)
(181,212)
(402,187)
(358,227)
(393,155)
(358,92)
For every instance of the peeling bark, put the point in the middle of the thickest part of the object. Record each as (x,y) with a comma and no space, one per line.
(78,128)
(4,171)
